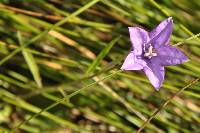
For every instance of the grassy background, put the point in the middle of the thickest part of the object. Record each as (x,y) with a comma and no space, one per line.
(54,52)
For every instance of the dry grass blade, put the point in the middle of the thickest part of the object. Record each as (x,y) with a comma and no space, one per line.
(39,36)
(77,52)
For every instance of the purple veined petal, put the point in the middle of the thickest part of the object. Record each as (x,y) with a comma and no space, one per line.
(161,34)
(155,74)
(132,63)
(169,55)
(139,37)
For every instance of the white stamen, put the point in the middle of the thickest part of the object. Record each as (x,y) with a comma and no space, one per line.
(150,53)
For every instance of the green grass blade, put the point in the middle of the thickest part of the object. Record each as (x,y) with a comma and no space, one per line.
(21,103)
(31,62)
(65,99)
(166,103)
(102,54)
(44,33)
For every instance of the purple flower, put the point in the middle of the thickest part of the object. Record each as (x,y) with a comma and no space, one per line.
(151,52)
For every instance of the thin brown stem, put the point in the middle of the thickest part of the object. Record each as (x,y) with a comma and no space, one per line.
(165,104)
(31,13)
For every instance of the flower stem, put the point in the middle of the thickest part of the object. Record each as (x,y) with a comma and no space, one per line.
(190,38)
(66,98)
(165,104)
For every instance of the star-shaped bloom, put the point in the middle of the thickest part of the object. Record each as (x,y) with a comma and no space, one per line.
(151,51)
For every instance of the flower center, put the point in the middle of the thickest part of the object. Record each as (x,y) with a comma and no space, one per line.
(149,53)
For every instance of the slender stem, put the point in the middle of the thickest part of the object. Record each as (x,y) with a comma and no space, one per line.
(117,97)
(190,38)
(165,104)
(44,33)
(66,99)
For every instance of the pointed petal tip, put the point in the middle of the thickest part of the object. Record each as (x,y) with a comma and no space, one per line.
(170,19)
(130,27)
(157,88)
(133,27)
(155,74)
(186,60)
(122,68)
(160,35)
(136,27)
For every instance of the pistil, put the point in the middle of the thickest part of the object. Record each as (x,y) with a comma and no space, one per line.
(150,53)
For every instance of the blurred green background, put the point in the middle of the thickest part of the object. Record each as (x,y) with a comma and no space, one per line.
(50,49)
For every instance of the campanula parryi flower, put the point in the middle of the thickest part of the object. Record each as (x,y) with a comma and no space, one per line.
(151,51)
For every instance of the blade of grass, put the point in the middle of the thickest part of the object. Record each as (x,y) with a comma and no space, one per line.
(114,6)
(65,99)
(102,54)
(30,62)
(89,112)
(10,98)
(134,77)
(120,99)
(85,111)
(44,33)
(166,103)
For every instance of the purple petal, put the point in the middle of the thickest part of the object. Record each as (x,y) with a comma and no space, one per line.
(138,38)
(132,63)
(161,34)
(155,74)
(169,55)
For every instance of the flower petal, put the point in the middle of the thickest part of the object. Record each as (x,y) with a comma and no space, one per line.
(132,63)
(138,37)
(161,34)
(169,55)
(155,74)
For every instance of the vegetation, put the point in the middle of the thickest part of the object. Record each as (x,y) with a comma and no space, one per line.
(60,67)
